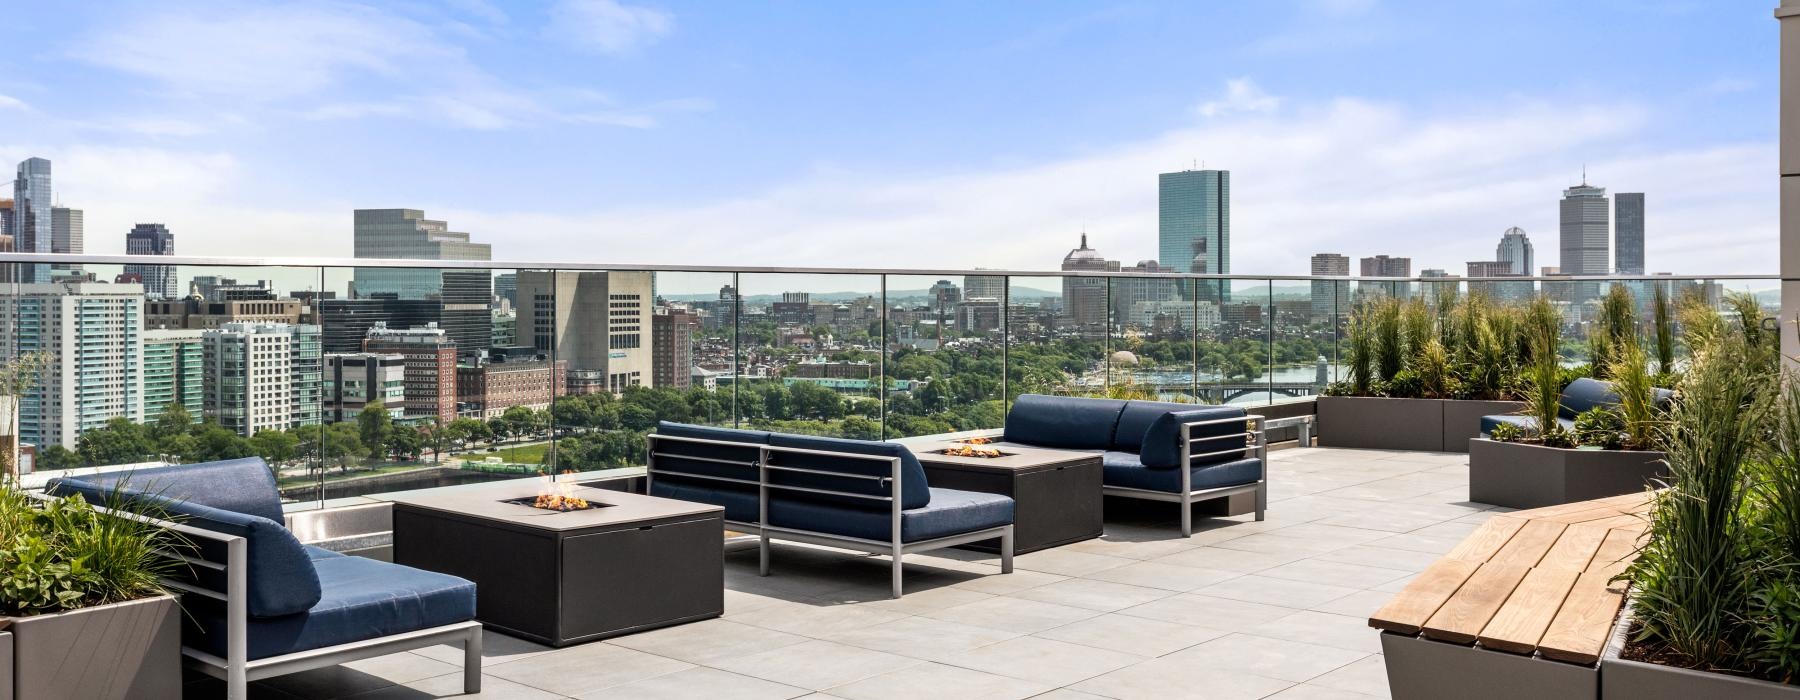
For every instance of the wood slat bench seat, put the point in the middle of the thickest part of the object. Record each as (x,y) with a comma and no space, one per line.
(1530,581)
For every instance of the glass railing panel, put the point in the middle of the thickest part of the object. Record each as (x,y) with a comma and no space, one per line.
(1152,340)
(1056,340)
(1301,343)
(810,354)
(944,354)
(1233,358)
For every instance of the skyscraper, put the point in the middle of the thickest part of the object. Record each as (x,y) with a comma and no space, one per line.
(1084,298)
(672,345)
(1329,298)
(598,322)
(1194,225)
(1515,248)
(467,295)
(430,374)
(67,230)
(153,239)
(263,376)
(984,286)
(1584,231)
(92,333)
(1628,233)
(32,221)
(1385,266)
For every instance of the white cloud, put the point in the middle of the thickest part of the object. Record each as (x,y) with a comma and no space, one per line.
(607,26)
(1241,95)
(10,102)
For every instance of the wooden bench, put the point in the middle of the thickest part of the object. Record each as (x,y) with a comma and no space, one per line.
(1533,583)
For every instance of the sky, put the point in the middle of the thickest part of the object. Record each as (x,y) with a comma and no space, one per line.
(916,134)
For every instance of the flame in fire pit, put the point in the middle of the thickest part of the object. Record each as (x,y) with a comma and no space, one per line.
(559,496)
(972,451)
(976,440)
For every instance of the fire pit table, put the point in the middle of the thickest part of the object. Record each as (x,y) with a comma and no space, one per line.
(1057,493)
(612,563)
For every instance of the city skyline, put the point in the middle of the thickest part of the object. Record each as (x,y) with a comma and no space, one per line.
(706,161)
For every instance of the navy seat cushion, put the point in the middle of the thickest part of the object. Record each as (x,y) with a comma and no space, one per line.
(1160,447)
(1068,422)
(950,512)
(282,580)
(671,452)
(1124,470)
(914,491)
(1526,423)
(239,485)
(364,599)
(317,553)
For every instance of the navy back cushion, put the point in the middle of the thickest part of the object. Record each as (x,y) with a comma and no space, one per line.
(281,577)
(1136,418)
(1585,394)
(743,454)
(239,485)
(914,492)
(1063,421)
(1161,446)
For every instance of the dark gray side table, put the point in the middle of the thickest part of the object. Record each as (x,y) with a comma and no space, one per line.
(559,578)
(1056,493)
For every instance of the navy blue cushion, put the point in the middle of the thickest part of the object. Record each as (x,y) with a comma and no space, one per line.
(951,512)
(1068,422)
(1160,447)
(1135,420)
(914,492)
(364,599)
(317,553)
(1585,394)
(1525,423)
(1123,469)
(281,576)
(239,485)
(671,453)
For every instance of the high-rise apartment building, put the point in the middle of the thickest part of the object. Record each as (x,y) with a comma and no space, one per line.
(1385,266)
(467,295)
(597,322)
(263,376)
(1084,298)
(68,230)
(1127,293)
(1330,298)
(1194,221)
(33,223)
(153,239)
(1585,228)
(1628,233)
(354,380)
(672,347)
(430,374)
(984,287)
(174,372)
(92,334)
(1515,248)
(506,286)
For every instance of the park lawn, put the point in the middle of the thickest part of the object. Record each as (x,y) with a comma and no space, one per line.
(521,454)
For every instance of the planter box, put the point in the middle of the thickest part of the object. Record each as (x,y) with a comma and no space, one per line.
(119,651)
(1427,425)
(1518,475)
(6,674)
(1381,424)
(1623,679)
(1423,669)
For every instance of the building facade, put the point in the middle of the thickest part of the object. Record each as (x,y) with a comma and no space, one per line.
(153,239)
(485,389)
(1585,228)
(430,374)
(355,380)
(467,295)
(1515,248)
(91,334)
(1194,221)
(1628,233)
(263,376)
(68,230)
(984,287)
(1329,298)
(192,313)
(174,372)
(597,322)
(32,220)
(1084,298)
(672,347)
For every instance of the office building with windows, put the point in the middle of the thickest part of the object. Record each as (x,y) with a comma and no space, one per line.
(174,372)
(597,322)
(1628,233)
(467,295)
(92,336)
(263,376)
(153,239)
(1328,297)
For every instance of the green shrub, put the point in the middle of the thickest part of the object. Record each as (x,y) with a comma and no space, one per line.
(1360,355)
(1614,328)
(1663,333)
(1637,396)
(1506,432)
(63,555)
(1556,436)
(1600,427)
(1390,341)
(1404,385)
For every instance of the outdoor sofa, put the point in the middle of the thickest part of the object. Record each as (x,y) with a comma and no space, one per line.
(1144,446)
(257,603)
(855,494)
(1579,397)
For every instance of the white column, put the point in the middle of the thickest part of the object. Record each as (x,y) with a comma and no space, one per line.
(1789,16)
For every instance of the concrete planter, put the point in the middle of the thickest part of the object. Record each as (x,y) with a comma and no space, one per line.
(1623,679)
(1429,425)
(1518,475)
(6,662)
(1381,423)
(109,652)
(1422,669)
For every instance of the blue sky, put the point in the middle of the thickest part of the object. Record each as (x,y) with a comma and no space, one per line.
(947,134)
